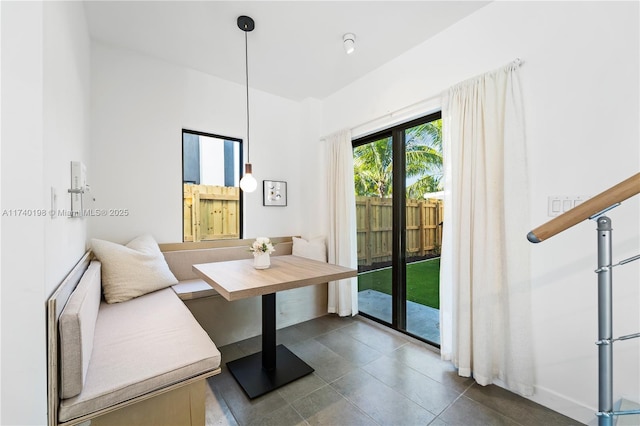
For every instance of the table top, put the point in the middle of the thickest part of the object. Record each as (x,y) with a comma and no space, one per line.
(237,279)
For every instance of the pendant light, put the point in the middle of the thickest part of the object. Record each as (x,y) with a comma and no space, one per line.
(248,183)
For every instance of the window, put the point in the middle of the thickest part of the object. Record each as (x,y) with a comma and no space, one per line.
(397,175)
(212,206)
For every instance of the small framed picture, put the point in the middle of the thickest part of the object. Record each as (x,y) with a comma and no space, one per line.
(274,193)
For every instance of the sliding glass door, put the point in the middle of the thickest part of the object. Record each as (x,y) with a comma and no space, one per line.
(397,180)
(423,227)
(373,167)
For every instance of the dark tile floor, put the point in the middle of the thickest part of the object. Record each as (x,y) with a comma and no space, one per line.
(366,374)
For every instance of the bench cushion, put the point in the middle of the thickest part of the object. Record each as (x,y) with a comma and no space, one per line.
(76,324)
(193,289)
(144,344)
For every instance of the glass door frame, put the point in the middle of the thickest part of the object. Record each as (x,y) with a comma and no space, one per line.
(399,212)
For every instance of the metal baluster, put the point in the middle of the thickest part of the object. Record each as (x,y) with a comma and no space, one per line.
(605,327)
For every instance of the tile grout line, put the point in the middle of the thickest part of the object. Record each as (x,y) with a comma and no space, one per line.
(297,412)
(351,402)
(406,343)
(452,402)
(221,394)
(487,407)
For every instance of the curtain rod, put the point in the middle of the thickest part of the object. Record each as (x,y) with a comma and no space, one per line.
(399,112)
(517,62)
(391,114)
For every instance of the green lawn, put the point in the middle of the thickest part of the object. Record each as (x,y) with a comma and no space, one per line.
(423,282)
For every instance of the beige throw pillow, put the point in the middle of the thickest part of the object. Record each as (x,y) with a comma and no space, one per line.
(132,270)
(314,249)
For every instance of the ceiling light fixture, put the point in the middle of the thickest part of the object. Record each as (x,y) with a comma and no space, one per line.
(248,183)
(349,40)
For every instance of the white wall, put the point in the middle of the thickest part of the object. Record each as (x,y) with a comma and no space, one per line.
(23,371)
(140,106)
(212,161)
(66,126)
(580,83)
(45,66)
(312,167)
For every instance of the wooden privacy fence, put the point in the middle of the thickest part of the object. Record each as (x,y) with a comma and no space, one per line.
(211,212)
(375,224)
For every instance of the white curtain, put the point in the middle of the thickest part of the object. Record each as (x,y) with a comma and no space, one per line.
(341,210)
(485,304)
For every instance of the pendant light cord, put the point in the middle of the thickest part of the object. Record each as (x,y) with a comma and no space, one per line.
(246,61)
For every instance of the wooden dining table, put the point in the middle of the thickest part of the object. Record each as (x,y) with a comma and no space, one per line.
(275,365)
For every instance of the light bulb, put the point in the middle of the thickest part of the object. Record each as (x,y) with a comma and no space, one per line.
(248,183)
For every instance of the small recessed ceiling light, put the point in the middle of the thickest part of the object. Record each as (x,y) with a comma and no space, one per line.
(349,40)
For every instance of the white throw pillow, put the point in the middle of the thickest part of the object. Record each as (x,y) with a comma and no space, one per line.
(132,270)
(313,249)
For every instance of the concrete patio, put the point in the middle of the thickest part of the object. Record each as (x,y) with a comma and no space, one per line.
(422,321)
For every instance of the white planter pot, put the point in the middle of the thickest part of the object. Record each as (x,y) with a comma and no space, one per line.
(261,260)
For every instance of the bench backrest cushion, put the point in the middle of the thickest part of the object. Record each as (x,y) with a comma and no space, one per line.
(132,270)
(76,327)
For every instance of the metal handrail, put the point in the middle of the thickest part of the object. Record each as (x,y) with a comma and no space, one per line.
(592,207)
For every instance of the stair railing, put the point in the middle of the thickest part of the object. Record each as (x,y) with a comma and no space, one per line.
(594,209)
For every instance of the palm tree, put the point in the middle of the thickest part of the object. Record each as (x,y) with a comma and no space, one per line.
(373,166)
(424,158)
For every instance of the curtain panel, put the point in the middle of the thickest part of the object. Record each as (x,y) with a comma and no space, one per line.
(485,305)
(341,211)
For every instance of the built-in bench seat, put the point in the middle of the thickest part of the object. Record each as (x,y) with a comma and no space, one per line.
(150,355)
(139,362)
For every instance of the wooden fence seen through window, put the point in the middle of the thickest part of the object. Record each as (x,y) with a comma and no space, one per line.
(374,218)
(211,212)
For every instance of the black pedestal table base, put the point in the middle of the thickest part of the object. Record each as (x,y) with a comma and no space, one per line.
(272,368)
(256,381)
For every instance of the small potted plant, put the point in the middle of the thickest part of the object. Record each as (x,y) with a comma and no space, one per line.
(262,247)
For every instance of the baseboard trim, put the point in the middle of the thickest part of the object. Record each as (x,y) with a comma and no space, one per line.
(565,406)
